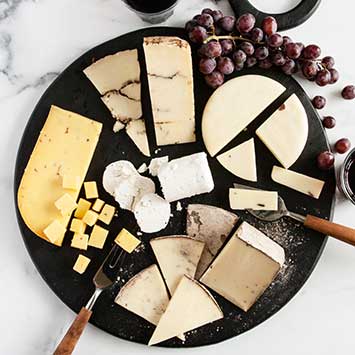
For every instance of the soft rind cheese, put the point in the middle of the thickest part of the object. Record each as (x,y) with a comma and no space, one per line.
(191,306)
(177,256)
(211,225)
(241,160)
(242,199)
(65,146)
(285,132)
(302,183)
(245,267)
(185,177)
(169,68)
(233,106)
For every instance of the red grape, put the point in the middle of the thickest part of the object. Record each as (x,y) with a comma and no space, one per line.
(227,23)
(190,25)
(319,102)
(238,66)
(323,77)
(342,145)
(328,62)
(310,69)
(239,57)
(312,51)
(250,62)
(256,35)
(205,20)
(198,34)
(261,53)
(225,65)
(212,49)
(245,23)
(269,25)
(207,65)
(329,122)
(227,46)
(279,59)
(247,48)
(275,40)
(217,15)
(215,79)
(207,11)
(293,50)
(325,160)
(286,40)
(348,92)
(265,63)
(334,76)
(289,67)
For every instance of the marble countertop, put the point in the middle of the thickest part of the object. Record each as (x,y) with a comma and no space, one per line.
(38,39)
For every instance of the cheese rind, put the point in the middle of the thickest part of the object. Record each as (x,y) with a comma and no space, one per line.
(190,307)
(241,160)
(285,132)
(169,68)
(299,182)
(242,199)
(177,256)
(233,106)
(65,145)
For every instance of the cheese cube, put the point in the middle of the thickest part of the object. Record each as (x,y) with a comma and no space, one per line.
(55,232)
(107,214)
(65,204)
(90,218)
(81,264)
(71,182)
(127,241)
(91,189)
(77,226)
(83,207)
(97,206)
(98,237)
(80,241)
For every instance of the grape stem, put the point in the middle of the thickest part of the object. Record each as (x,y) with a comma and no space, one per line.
(217,38)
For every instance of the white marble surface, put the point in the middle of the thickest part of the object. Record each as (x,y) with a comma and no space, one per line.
(38,39)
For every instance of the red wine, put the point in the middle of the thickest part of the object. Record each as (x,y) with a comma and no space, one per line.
(351,177)
(150,6)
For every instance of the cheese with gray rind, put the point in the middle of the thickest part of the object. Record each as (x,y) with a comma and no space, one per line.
(177,256)
(170,79)
(285,132)
(233,106)
(210,225)
(245,267)
(192,306)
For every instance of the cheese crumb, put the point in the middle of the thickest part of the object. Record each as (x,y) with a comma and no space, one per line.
(81,264)
(91,189)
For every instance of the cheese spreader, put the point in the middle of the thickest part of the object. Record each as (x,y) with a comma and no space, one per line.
(337,231)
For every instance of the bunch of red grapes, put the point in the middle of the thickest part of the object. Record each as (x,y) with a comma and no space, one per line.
(228,44)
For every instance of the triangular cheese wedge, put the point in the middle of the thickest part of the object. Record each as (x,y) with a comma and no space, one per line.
(177,256)
(137,132)
(145,294)
(191,307)
(241,161)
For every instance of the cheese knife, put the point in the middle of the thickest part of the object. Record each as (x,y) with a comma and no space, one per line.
(105,278)
(337,231)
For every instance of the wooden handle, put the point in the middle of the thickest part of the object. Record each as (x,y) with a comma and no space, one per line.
(334,230)
(67,345)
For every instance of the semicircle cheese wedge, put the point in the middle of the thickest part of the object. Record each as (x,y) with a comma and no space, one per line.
(65,146)
(285,132)
(177,256)
(191,307)
(241,160)
(233,106)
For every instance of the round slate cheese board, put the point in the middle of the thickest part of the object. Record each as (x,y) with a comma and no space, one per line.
(72,91)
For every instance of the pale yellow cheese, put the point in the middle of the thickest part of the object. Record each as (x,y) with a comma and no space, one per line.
(80,241)
(55,232)
(127,241)
(71,182)
(65,204)
(65,146)
(81,264)
(90,218)
(77,226)
(107,214)
(98,204)
(90,188)
(98,237)
(83,207)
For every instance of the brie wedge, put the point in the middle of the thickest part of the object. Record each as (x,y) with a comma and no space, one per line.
(177,256)
(245,199)
(191,307)
(299,182)
(233,106)
(169,68)
(285,133)
(241,160)
(210,225)
(245,267)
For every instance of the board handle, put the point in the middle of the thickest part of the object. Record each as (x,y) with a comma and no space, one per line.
(345,234)
(68,343)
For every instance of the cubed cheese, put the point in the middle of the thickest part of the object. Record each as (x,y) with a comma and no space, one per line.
(90,218)
(98,204)
(98,237)
(80,241)
(241,199)
(83,207)
(71,182)
(107,214)
(66,204)
(127,241)
(91,189)
(55,232)
(77,226)
(81,264)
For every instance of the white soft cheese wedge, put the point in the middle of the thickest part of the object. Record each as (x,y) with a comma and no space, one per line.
(152,213)
(191,307)
(299,182)
(145,294)
(233,106)
(245,267)
(243,199)
(155,165)
(185,177)
(241,160)
(137,132)
(169,68)
(210,225)
(285,133)
(177,256)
